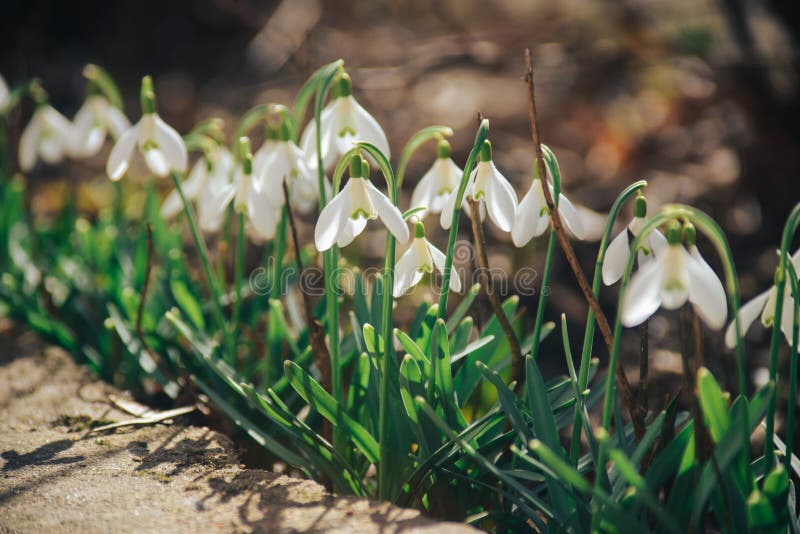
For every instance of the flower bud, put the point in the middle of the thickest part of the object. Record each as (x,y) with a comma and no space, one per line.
(443,150)
(419,230)
(640,207)
(147,96)
(486,151)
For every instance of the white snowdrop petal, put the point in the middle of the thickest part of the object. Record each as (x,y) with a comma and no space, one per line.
(368,129)
(116,121)
(501,200)
(643,296)
(675,283)
(51,150)
(331,219)
(156,161)
(616,260)
(388,213)
(351,229)
(747,315)
(405,271)
(526,219)
(439,260)
(29,143)
(706,291)
(570,216)
(120,157)
(171,144)
(262,215)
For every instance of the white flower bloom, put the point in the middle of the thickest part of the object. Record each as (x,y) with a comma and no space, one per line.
(207,180)
(287,163)
(673,278)
(46,136)
(4,94)
(95,119)
(532,217)
(437,184)
(763,304)
(249,198)
(420,258)
(346,215)
(490,188)
(162,147)
(343,122)
(619,251)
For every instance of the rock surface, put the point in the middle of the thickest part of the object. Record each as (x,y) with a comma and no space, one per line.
(57,475)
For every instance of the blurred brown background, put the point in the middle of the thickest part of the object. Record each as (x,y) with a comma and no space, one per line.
(699,97)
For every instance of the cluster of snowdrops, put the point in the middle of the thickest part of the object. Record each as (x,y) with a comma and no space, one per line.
(655,256)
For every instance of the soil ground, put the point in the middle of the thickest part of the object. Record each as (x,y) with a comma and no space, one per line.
(58,475)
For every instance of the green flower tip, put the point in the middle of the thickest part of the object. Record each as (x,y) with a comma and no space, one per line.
(343,86)
(640,207)
(486,151)
(674,233)
(37,93)
(443,150)
(689,233)
(246,154)
(284,131)
(419,230)
(148,95)
(355,166)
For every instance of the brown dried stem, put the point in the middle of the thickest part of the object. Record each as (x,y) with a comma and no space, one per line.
(636,414)
(517,363)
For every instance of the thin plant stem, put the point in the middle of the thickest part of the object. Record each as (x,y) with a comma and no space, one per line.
(414,143)
(542,304)
(636,416)
(143,297)
(211,280)
(588,335)
(480,137)
(789,230)
(644,364)
(517,363)
(241,244)
(791,409)
(278,253)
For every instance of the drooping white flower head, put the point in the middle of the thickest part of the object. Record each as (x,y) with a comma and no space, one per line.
(47,136)
(94,120)
(674,277)
(493,191)
(343,123)
(763,304)
(346,215)
(619,251)
(286,163)
(438,183)
(420,258)
(259,205)
(161,146)
(208,177)
(532,216)
(4,94)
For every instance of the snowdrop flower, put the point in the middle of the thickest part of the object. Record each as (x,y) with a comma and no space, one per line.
(343,122)
(674,277)
(96,118)
(490,188)
(346,215)
(420,258)
(46,136)
(162,147)
(207,180)
(764,304)
(438,183)
(251,199)
(285,162)
(619,251)
(532,216)
(4,94)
